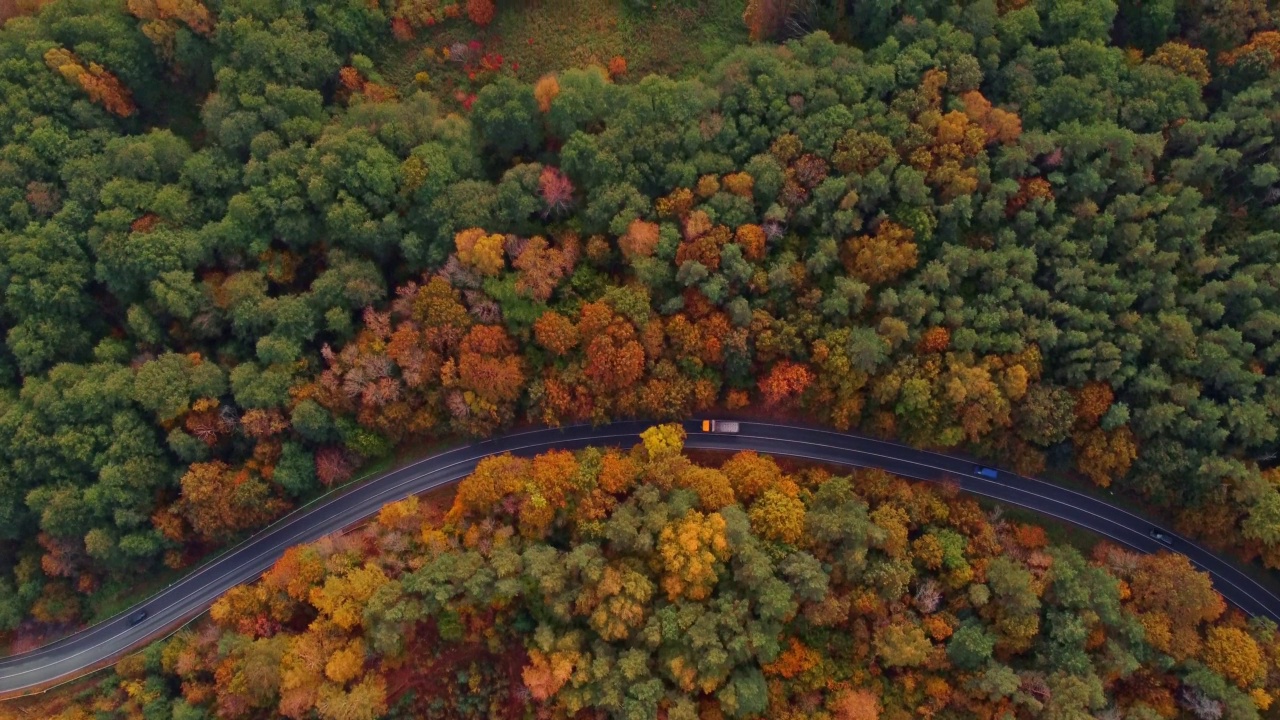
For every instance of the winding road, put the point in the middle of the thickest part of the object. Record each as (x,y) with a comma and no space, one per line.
(74,655)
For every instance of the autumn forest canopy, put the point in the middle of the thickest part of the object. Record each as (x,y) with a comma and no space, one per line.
(249,247)
(637,583)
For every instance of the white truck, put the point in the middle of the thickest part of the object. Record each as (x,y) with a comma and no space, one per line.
(720,426)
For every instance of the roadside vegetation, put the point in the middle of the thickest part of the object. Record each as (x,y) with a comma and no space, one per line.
(638,584)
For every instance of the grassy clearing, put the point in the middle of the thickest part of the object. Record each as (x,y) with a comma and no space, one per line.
(677,39)
(535,37)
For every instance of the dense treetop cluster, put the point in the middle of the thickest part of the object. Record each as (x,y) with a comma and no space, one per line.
(640,584)
(237,258)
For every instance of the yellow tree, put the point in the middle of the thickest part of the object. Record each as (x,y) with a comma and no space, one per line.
(1232,653)
(342,597)
(480,250)
(778,517)
(688,550)
(662,441)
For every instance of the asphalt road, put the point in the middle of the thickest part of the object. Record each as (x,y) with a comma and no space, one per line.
(67,658)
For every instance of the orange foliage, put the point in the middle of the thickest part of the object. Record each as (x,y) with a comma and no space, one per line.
(750,474)
(1000,126)
(740,184)
(1030,537)
(263,423)
(934,340)
(102,87)
(879,258)
(298,570)
(615,360)
(937,627)
(785,383)
(480,12)
(796,660)
(191,13)
(752,239)
(640,241)
(1103,455)
(1093,401)
(219,501)
(1029,189)
(713,487)
(555,333)
(618,473)
(546,673)
(488,365)
(677,204)
(1265,44)
(494,478)
(1167,582)
(708,185)
(545,91)
(617,66)
(855,705)
(540,265)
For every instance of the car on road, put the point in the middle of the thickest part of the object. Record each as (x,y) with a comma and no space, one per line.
(1161,536)
(986,472)
(137,617)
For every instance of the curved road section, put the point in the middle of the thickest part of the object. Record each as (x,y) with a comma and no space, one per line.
(96,645)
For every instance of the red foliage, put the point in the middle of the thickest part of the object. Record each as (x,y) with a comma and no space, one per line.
(333,465)
(557,191)
(401,30)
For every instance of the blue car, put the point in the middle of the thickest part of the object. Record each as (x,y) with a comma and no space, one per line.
(986,472)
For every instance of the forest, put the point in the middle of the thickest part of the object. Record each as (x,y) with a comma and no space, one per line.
(641,583)
(249,247)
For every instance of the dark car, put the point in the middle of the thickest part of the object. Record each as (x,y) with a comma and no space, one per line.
(986,472)
(1162,536)
(137,617)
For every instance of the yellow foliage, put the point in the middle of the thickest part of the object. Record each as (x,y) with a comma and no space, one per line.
(480,251)
(1184,60)
(778,517)
(677,204)
(688,549)
(663,440)
(342,597)
(623,597)
(708,185)
(398,515)
(346,664)
(712,486)
(1232,653)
